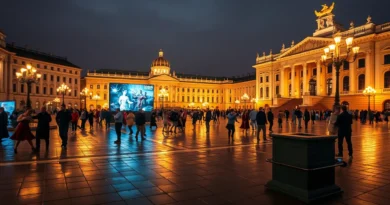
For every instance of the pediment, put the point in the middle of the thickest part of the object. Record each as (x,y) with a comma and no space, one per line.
(163,77)
(308,44)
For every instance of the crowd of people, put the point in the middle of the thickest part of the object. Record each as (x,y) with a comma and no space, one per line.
(173,121)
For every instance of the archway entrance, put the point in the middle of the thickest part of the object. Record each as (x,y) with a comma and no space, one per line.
(313,87)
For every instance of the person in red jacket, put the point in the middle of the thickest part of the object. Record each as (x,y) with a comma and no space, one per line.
(74,120)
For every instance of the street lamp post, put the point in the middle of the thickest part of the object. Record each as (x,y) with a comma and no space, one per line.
(245,98)
(63,89)
(254,101)
(56,100)
(163,94)
(237,102)
(28,76)
(96,98)
(83,94)
(333,53)
(368,92)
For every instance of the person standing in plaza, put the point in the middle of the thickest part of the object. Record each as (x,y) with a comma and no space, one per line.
(306,118)
(130,121)
(245,122)
(83,118)
(118,117)
(287,113)
(153,120)
(140,120)
(3,124)
(208,119)
(261,120)
(312,116)
(293,117)
(298,114)
(90,119)
(252,117)
(232,118)
(107,118)
(75,119)
(270,118)
(344,122)
(43,128)
(23,131)
(63,118)
(280,119)
(195,117)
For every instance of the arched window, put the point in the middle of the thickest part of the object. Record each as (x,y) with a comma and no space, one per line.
(261,92)
(361,82)
(346,83)
(329,86)
(387,79)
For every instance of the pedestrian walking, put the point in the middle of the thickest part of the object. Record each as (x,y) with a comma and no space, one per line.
(43,128)
(333,130)
(208,119)
(232,118)
(23,131)
(270,118)
(261,120)
(312,116)
(344,122)
(153,122)
(83,118)
(299,115)
(287,113)
(118,117)
(3,124)
(140,120)
(63,118)
(280,119)
(90,119)
(306,118)
(252,117)
(74,120)
(130,121)
(245,122)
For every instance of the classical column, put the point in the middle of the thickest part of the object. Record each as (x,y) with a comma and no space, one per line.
(2,76)
(333,80)
(282,83)
(369,68)
(293,81)
(352,77)
(319,84)
(271,85)
(257,84)
(305,83)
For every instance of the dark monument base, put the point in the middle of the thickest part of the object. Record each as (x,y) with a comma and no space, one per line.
(304,166)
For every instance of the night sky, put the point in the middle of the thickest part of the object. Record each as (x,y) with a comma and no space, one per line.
(207,37)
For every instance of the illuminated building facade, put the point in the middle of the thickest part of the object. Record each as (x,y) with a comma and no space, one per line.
(54,71)
(297,72)
(185,91)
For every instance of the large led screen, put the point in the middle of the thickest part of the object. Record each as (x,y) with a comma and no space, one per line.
(131,97)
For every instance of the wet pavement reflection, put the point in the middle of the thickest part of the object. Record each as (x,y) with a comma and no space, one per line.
(184,168)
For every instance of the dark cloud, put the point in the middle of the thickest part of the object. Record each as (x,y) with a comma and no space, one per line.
(217,37)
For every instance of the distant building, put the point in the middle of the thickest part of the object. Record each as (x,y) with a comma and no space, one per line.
(184,90)
(55,70)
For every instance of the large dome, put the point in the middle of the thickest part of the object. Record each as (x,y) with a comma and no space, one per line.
(160,61)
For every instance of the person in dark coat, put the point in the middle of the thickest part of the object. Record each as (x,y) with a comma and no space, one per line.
(153,120)
(3,124)
(306,118)
(261,120)
(90,119)
(344,122)
(313,116)
(43,128)
(208,119)
(270,118)
(63,118)
(140,120)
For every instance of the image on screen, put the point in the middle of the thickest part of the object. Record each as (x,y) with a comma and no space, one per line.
(131,97)
(9,107)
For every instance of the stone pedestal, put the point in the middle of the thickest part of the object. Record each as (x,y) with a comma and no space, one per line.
(303,166)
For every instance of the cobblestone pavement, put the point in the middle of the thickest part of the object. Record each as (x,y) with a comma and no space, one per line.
(190,168)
